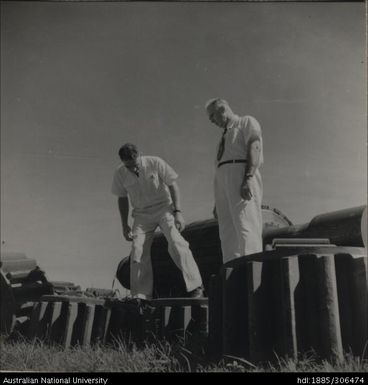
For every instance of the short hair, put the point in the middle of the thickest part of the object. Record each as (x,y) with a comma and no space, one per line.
(217,102)
(128,151)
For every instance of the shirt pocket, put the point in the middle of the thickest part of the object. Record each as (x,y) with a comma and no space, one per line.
(154,181)
(132,187)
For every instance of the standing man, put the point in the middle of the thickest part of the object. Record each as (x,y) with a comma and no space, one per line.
(238,182)
(154,195)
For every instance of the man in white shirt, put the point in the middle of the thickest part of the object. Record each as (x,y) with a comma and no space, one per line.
(238,182)
(150,184)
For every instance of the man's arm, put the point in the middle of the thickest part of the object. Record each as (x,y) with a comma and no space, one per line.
(253,162)
(175,196)
(253,158)
(123,204)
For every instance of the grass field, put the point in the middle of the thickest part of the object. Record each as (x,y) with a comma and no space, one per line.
(159,357)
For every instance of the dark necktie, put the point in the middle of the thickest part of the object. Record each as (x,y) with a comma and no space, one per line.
(221,147)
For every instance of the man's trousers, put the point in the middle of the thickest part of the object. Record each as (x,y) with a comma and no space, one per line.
(141,273)
(240,221)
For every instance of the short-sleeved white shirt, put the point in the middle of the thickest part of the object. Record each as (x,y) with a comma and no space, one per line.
(150,188)
(237,137)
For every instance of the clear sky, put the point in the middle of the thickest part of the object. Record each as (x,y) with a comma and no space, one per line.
(80,79)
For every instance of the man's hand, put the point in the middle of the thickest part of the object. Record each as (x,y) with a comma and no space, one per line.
(245,191)
(127,232)
(179,221)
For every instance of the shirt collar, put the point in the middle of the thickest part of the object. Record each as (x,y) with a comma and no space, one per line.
(232,122)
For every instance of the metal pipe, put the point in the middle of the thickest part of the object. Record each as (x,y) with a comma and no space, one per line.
(343,228)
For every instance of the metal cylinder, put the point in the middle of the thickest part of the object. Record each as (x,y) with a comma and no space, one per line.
(343,228)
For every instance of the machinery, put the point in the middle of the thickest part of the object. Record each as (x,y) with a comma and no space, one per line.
(341,228)
(307,290)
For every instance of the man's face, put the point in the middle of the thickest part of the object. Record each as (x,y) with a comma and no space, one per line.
(217,115)
(132,165)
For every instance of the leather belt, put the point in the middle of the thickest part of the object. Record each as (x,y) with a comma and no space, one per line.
(232,161)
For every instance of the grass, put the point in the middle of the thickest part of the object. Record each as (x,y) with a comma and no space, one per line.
(36,356)
(161,356)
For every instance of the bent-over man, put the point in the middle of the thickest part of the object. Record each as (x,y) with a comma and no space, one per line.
(150,184)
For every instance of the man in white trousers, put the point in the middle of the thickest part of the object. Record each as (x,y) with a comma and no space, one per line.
(238,182)
(150,184)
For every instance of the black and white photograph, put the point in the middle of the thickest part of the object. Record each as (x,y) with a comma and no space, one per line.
(183,189)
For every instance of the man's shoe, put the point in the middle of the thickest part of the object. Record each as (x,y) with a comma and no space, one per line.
(197,293)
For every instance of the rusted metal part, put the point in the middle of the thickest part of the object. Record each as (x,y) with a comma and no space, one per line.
(99,293)
(178,319)
(331,342)
(22,283)
(7,306)
(289,280)
(69,320)
(215,310)
(184,318)
(342,228)
(352,291)
(296,299)
(66,288)
(131,321)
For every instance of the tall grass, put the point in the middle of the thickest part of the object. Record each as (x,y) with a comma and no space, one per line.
(161,356)
(37,356)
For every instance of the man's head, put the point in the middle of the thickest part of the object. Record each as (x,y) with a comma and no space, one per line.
(219,111)
(129,155)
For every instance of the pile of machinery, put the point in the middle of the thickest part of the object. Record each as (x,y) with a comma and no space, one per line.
(306,291)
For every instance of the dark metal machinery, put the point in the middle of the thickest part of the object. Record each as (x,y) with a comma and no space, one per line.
(306,290)
(342,228)
(22,283)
